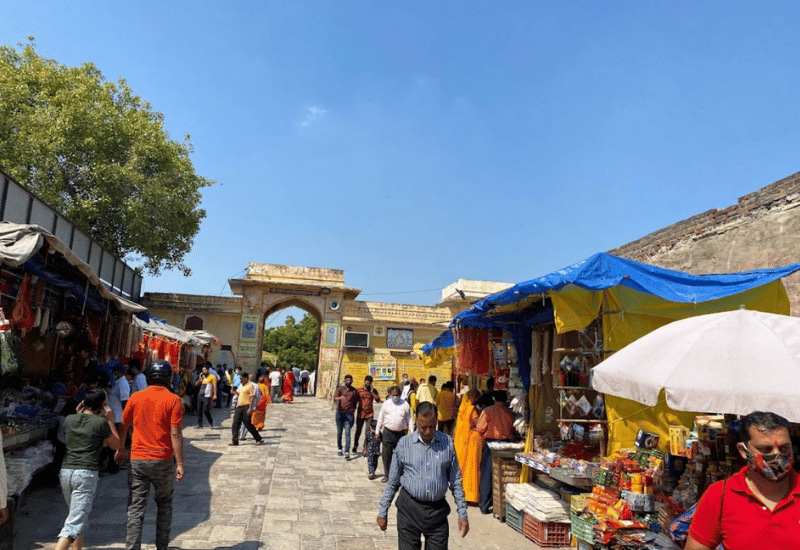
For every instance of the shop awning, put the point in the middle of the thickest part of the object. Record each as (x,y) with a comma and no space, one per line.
(160,328)
(204,337)
(631,299)
(603,271)
(19,243)
(527,303)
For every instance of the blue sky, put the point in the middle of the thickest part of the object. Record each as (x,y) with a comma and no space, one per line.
(414,143)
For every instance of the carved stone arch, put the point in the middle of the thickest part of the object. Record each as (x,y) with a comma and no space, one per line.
(312,305)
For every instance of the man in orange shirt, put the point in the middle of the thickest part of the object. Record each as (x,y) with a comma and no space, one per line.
(156,455)
(496,423)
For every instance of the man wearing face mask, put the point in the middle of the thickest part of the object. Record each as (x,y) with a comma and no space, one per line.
(759,506)
(346,399)
(393,422)
(366,396)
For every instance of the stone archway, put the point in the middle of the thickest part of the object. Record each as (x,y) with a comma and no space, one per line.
(268,288)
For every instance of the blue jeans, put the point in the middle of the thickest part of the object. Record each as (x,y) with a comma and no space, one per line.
(79,487)
(344,421)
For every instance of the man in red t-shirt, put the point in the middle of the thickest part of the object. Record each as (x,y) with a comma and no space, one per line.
(759,506)
(156,455)
(366,396)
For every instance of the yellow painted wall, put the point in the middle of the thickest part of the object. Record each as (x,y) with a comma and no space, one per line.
(357,363)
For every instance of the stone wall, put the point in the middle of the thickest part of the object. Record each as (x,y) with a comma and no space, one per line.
(761,230)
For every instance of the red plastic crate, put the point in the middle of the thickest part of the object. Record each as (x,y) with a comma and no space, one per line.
(546,534)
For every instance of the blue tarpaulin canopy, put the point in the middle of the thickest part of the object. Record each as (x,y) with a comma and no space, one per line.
(598,272)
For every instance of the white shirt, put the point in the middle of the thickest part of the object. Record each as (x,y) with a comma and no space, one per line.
(406,391)
(120,391)
(275,378)
(394,417)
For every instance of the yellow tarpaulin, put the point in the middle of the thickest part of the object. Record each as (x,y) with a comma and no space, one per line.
(438,357)
(628,315)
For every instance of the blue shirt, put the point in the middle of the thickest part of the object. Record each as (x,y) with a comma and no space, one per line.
(237,380)
(425,472)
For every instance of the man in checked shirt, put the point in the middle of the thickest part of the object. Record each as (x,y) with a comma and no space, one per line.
(423,467)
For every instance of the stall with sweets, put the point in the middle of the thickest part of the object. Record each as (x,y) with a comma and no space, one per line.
(566,323)
(639,491)
(690,364)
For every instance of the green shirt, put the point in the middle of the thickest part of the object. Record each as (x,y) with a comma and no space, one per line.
(85,434)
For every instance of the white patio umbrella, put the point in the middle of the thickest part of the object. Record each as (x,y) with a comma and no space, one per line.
(732,362)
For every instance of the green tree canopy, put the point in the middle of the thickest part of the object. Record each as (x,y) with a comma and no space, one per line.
(294,343)
(100,155)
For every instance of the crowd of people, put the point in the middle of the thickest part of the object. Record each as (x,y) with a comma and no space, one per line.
(471,421)
(430,440)
(128,416)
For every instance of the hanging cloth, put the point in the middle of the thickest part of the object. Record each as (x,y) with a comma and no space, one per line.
(22,315)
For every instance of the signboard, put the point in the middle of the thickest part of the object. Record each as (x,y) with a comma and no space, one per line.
(383,369)
(249,326)
(400,338)
(331,337)
(247,349)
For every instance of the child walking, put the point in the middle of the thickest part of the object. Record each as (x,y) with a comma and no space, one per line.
(373,449)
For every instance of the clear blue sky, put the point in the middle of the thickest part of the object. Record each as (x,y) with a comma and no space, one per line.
(414,143)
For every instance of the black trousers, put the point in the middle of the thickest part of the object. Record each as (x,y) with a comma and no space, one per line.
(389,438)
(240,415)
(203,405)
(485,489)
(359,427)
(416,518)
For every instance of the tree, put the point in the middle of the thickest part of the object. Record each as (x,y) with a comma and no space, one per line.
(100,155)
(294,343)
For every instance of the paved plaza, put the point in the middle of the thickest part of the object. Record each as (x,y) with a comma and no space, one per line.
(291,493)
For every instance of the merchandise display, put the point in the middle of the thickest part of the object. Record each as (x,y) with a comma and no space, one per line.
(22,465)
(639,491)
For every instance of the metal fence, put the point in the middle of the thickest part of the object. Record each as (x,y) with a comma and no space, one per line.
(18,205)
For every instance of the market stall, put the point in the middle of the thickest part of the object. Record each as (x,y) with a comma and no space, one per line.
(567,322)
(58,321)
(705,362)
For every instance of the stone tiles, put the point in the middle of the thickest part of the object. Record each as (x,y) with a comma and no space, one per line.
(292,493)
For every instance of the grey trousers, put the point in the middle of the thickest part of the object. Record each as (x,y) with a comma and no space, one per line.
(141,474)
(275,393)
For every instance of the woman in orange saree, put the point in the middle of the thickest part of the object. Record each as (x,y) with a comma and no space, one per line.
(288,386)
(261,409)
(469,446)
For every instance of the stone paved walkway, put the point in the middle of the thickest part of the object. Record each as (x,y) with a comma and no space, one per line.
(291,493)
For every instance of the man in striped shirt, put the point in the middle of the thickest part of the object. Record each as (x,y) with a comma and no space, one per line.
(423,467)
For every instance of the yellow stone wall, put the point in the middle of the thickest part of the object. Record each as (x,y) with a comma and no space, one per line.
(356,363)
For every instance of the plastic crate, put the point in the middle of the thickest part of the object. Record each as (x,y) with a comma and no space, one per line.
(582,527)
(514,518)
(546,534)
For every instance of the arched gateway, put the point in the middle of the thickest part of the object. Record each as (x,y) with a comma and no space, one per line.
(268,288)
(356,337)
